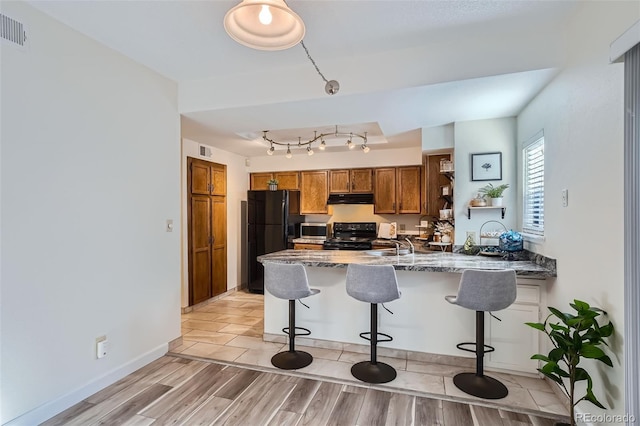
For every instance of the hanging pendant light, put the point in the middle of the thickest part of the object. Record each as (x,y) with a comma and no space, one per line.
(264,25)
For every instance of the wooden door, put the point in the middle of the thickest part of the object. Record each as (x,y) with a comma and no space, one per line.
(409,189)
(200,249)
(314,191)
(219,243)
(385,193)
(207,223)
(287,180)
(339,181)
(362,181)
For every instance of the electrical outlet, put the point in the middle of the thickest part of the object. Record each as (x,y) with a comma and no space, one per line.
(472,234)
(102,346)
(565,197)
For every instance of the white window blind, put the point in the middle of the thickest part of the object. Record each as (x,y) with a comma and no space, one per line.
(533,212)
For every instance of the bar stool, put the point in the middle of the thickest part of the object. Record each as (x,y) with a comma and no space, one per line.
(483,291)
(289,281)
(373,284)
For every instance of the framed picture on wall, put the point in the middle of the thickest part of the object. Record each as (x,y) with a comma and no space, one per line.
(486,166)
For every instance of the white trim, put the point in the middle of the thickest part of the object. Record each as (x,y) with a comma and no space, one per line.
(624,43)
(58,405)
(532,238)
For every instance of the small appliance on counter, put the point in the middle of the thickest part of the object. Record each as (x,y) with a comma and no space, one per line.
(351,236)
(388,231)
(314,231)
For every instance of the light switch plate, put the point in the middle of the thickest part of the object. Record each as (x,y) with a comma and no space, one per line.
(169,227)
(565,197)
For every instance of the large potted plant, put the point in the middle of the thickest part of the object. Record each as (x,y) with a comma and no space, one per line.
(494,193)
(575,336)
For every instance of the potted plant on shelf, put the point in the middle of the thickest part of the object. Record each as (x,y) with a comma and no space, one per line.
(494,193)
(576,336)
(272,184)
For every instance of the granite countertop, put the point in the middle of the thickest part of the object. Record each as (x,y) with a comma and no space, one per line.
(431,262)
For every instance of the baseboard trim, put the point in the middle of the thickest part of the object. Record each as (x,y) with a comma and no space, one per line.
(58,405)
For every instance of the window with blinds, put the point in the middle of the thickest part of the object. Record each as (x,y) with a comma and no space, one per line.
(533,212)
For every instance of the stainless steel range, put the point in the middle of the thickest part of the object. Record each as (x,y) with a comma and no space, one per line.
(351,236)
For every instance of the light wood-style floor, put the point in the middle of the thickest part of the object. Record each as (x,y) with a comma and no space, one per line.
(177,390)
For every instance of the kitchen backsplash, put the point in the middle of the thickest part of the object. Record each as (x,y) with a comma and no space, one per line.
(364,213)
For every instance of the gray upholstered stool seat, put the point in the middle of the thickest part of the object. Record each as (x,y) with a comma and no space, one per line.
(373,284)
(289,281)
(483,291)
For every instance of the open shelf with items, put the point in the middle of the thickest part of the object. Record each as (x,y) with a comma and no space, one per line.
(443,246)
(469,208)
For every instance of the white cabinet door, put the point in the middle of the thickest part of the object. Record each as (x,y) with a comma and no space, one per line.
(515,341)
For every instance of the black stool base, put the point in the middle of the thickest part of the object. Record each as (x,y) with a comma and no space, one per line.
(373,373)
(481,386)
(291,360)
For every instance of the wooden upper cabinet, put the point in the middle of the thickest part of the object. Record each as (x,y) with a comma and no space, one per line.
(409,189)
(339,181)
(314,191)
(259,180)
(385,195)
(287,180)
(362,181)
(353,180)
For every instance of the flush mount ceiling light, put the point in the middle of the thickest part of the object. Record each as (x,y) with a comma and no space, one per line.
(315,138)
(264,24)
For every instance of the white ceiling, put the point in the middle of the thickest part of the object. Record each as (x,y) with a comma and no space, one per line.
(185,41)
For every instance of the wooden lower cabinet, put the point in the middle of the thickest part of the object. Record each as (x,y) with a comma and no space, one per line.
(207,230)
(305,246)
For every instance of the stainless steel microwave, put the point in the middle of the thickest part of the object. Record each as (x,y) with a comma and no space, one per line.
(314,231)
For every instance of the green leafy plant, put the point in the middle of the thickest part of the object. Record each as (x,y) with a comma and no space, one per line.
(272,182)
(574,337)
(493,191)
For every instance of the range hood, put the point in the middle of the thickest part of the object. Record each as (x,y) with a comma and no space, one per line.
(350,199)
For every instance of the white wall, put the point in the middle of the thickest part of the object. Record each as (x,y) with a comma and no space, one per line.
(472,137)
(581,113)
(237,185)
(335,160)
(90,172)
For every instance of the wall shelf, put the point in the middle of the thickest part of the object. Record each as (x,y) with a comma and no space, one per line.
(469,208)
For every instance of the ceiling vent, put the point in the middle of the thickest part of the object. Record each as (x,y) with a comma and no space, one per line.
(12,30)
(205,151)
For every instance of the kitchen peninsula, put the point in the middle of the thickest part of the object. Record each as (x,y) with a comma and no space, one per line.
(423,324)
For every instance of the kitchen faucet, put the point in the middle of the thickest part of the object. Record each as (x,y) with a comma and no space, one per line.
(413,249)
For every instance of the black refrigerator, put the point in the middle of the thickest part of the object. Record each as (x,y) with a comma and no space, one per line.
(273,219)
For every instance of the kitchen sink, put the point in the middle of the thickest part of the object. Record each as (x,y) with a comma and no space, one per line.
(389,252)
